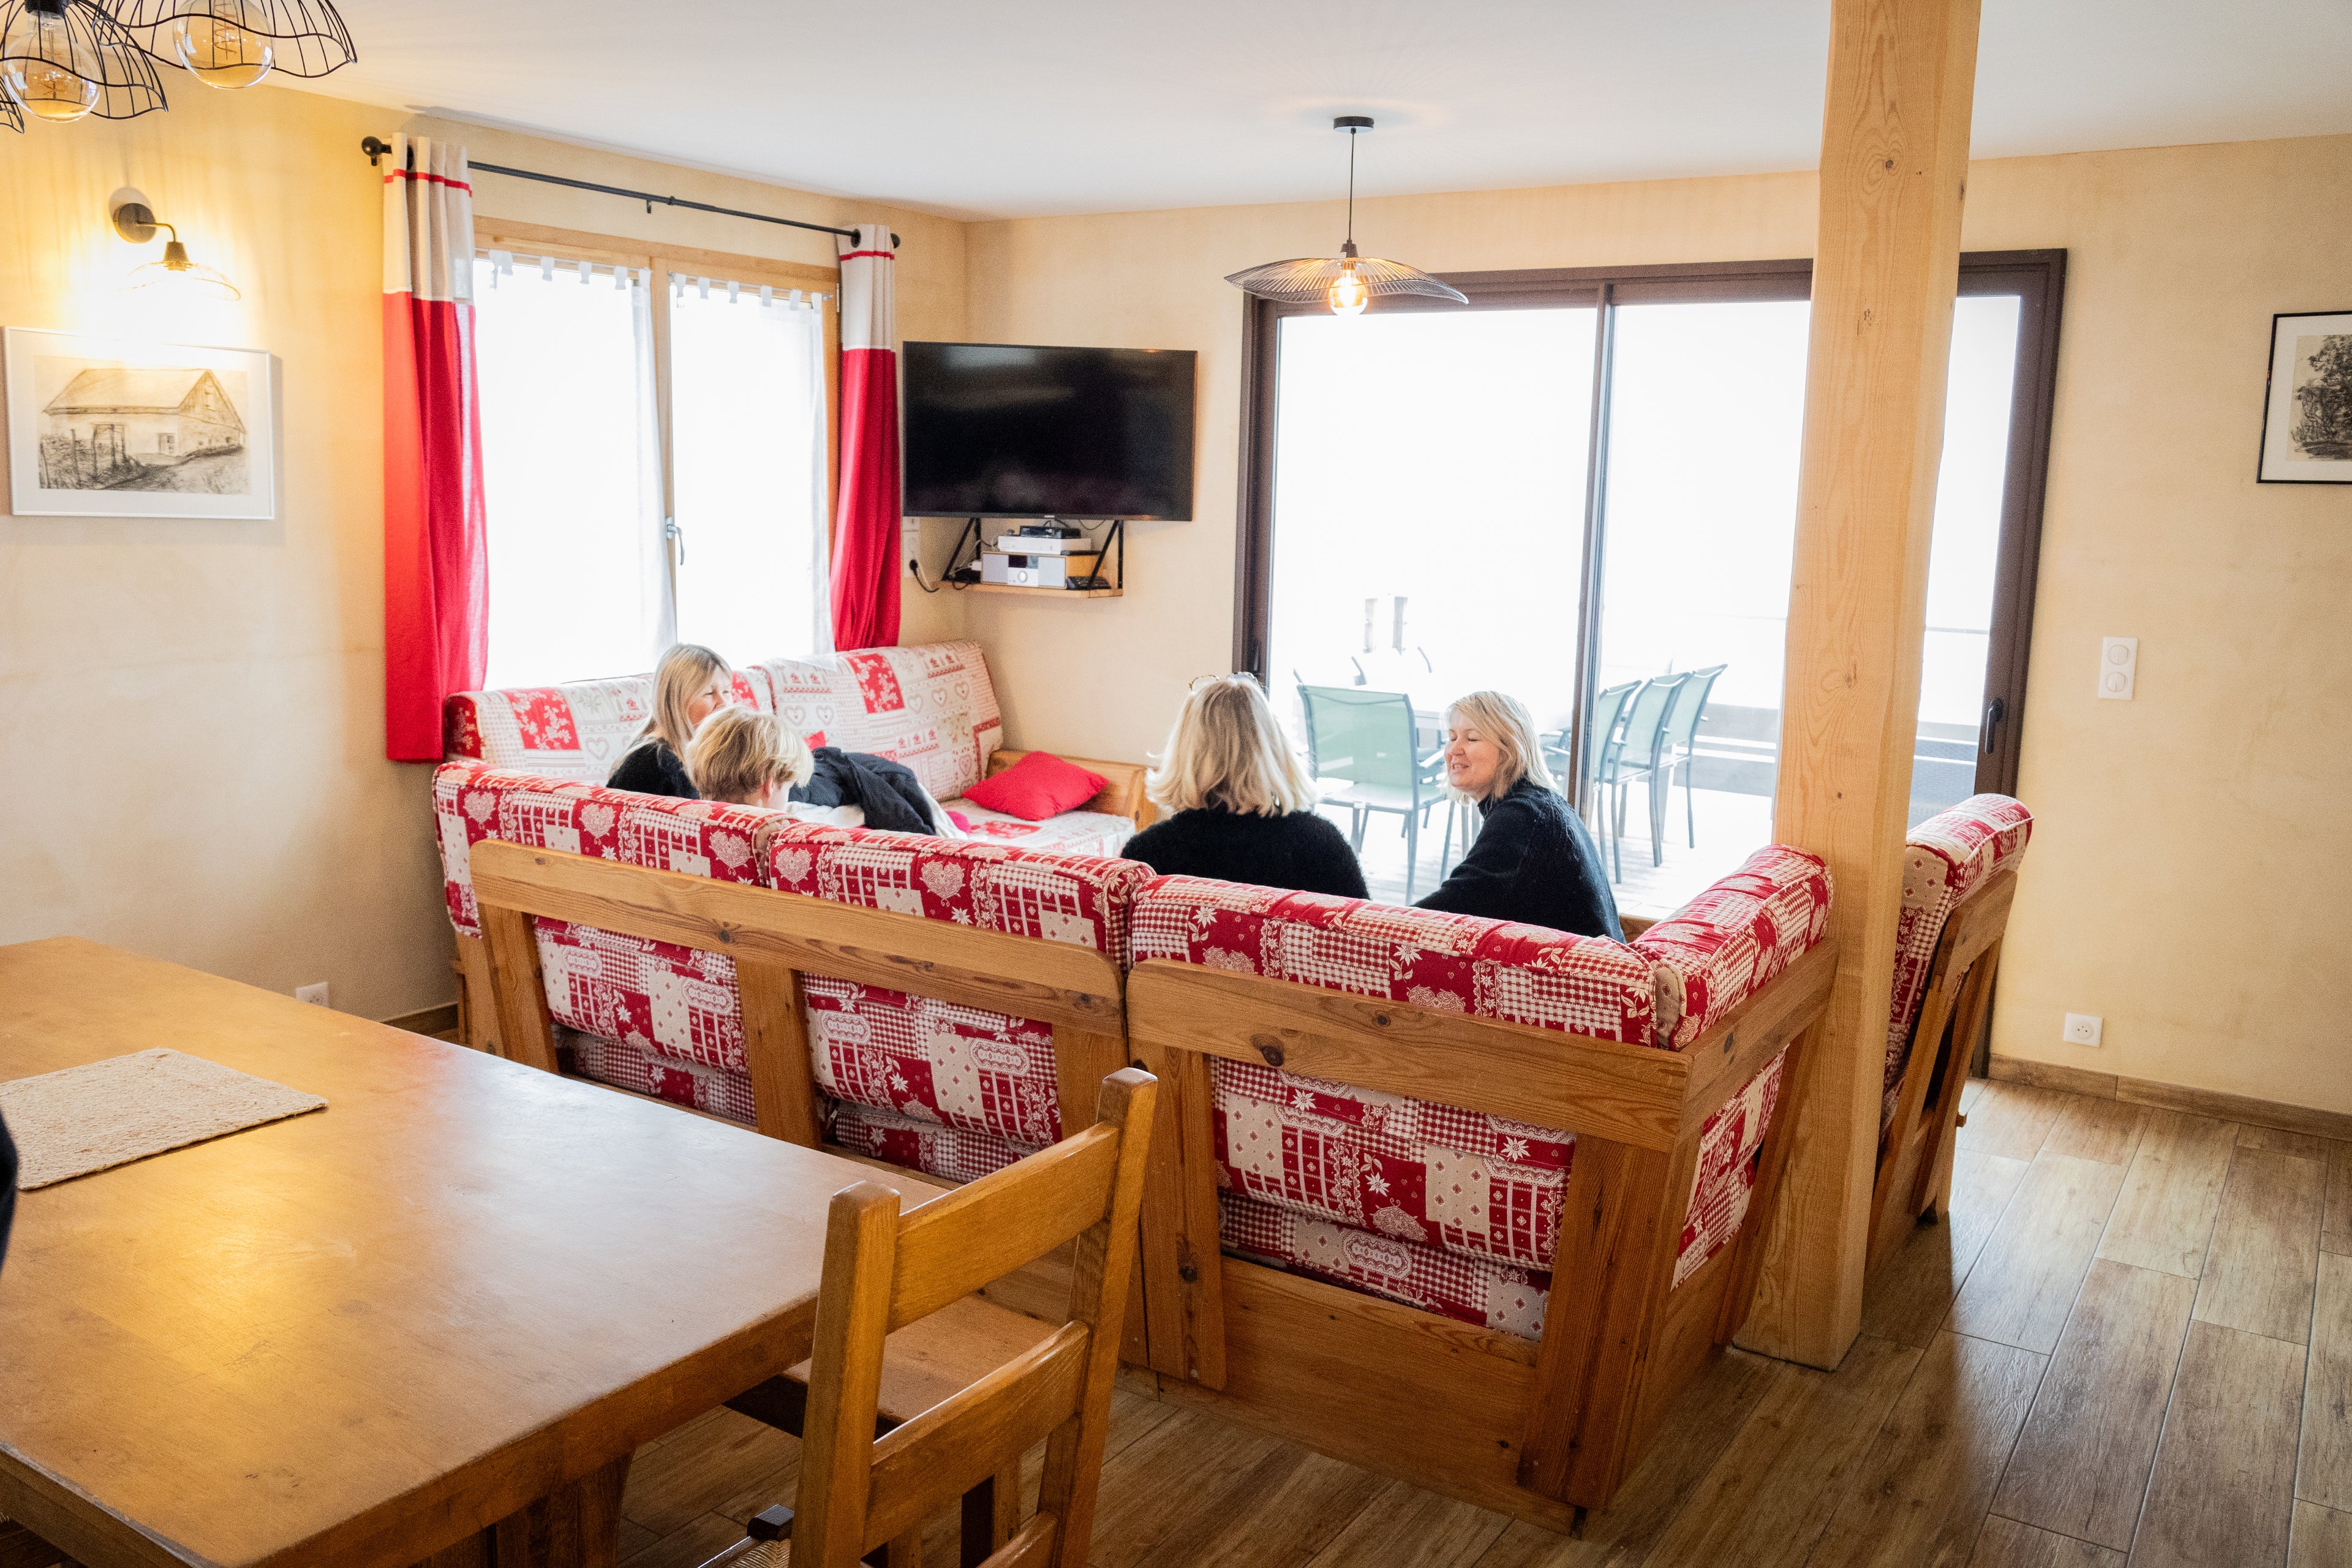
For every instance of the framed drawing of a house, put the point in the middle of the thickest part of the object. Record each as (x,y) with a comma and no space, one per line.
(102,427)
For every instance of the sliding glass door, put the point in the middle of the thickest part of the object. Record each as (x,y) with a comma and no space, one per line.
(1582,490)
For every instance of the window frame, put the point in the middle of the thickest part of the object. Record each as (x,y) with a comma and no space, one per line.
(2036,277)
(665,262)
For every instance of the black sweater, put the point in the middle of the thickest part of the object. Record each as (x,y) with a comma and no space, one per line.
(1533,863)
(1298,850)
(652,768)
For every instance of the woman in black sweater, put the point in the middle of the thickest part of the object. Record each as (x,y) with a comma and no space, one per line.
(690,684)
(1242,805)
(1533,861)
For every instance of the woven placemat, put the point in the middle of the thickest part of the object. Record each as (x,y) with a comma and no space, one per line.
(104,1115)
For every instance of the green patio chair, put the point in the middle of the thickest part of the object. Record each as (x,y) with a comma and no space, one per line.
(1680,748)
(1366,738)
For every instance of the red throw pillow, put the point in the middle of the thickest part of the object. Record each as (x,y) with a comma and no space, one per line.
(1039,785)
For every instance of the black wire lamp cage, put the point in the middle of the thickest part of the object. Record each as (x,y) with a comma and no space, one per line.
(63,59)
(235,43)
(1346,282)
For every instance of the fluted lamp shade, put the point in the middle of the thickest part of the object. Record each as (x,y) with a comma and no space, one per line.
(1308,279)
(235,43)
(63,59)
(1346,282)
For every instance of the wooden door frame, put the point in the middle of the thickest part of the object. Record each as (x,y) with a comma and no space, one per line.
(2037,277)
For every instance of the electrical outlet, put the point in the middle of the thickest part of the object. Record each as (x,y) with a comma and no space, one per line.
(2119,667)
(2082,1029)
(314,994)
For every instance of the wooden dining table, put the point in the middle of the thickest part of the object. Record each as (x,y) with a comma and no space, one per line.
(427,1324)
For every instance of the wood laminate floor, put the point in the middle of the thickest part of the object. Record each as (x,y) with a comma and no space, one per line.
(2131,1344)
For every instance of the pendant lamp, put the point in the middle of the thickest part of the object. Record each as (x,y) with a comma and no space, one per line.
(63,59)
(235,43)
(1346,282)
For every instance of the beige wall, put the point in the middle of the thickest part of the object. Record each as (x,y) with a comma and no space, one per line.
(2183,882)
(195,710)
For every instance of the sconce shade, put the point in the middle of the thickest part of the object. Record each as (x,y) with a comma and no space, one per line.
(235,43)
(10,115)
(61,59)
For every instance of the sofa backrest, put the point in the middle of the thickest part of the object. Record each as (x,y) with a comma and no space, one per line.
(1945,860)
(959,1067)
(932,707)
(1664,988)
(575,732)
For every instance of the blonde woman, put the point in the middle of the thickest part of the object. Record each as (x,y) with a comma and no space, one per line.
(1533,861)
(747,758)
(691,683)
(1242,805)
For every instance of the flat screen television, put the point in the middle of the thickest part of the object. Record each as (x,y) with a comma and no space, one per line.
(1008,430)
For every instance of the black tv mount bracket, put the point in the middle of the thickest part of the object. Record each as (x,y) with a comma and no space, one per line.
(1113,544)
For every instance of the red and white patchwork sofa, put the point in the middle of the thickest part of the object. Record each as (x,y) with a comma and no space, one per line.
(931,708)
(1947,860)
(957,1091)
(1440,1208)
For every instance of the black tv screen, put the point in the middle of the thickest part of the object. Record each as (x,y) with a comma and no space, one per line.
(1006,430)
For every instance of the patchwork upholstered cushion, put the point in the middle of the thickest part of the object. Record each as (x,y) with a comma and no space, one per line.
(715,1089)
(927,1062)
(1072,832)
(1464,1183)
(1735,938)
(1452,963)
(575,732)
(1945,859)
(931,708)
(956,1154)
(1728,1148)
(1470,1290)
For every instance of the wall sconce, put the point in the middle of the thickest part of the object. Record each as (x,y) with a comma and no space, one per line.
(136,223)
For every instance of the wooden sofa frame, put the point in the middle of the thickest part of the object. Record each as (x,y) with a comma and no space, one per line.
(478,1012)
(1539,1430)
(774,937)
(1915,1148)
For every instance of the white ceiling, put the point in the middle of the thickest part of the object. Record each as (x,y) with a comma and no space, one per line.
(978,109)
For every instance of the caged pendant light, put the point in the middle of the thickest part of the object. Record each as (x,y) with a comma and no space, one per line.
(1346,282)
(235,43)
(63,59)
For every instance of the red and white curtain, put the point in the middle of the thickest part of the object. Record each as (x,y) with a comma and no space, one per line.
(435,557)
(865,531)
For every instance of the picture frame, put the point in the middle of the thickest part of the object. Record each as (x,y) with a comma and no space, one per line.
(111,428)
(2307,402)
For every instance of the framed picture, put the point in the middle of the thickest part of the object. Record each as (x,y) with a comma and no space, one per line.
(101,428)
(2307,413)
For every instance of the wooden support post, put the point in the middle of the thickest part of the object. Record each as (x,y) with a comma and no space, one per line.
(1894,149)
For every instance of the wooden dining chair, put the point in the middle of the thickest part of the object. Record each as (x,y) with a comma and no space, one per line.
(885,1270)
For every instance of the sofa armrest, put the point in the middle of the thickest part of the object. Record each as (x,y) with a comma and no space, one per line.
(1633,925)
(1122,793)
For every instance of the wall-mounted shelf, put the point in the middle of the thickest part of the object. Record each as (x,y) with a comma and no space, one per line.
(1048,592)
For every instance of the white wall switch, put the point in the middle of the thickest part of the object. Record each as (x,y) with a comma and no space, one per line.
(2119,667)
(314,994)
(910,541)
(2082,1029)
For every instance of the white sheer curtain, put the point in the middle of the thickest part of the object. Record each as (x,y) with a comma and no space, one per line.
(747,435)
(572,471)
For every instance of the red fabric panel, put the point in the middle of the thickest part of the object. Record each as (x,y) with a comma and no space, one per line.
(436,579)
(865,540)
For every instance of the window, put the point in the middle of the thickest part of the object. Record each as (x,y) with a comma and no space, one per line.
(1582,489)
(653,455)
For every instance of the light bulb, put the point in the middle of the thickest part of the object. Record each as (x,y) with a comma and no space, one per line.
(1349,296)
(220,47)
(32,75)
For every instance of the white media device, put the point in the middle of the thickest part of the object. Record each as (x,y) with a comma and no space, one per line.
(1025,571)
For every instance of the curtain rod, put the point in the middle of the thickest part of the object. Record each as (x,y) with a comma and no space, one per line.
(375,149)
